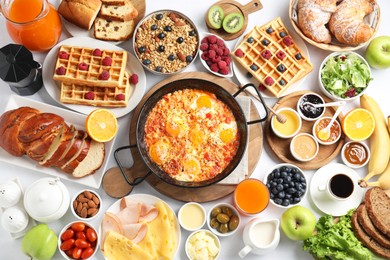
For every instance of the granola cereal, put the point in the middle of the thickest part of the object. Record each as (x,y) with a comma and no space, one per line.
(166,42)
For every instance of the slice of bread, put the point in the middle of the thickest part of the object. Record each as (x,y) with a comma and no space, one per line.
(74,147)
(113,30)
(92,161)
(119,13)
(113,2)
(366,240)
(80,12)
(69,167)
(378,207)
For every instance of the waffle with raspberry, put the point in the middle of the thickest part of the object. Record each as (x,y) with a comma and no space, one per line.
(91,67)
(95,95)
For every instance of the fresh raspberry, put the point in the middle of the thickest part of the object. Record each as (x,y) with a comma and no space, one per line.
(239,53)
(216,59)
(219,52)
(107,61)
(97,52)
(261,87)
(120,97)
(224,71)
(226,51)
(213,47)
(214,67)
(205,55)
(134,79)
(204,46)
(63,55)
(83,66)
(61,71)
(288,41)
(281,55)
(212,54)
(222,64)
(351,92)
(228,60)
(212,39)
(269,81)
(204,40)
(105,75)
(89,95)
(220,42)
(266,54)
(209,62)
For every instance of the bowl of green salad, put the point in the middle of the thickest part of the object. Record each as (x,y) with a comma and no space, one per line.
(344,75)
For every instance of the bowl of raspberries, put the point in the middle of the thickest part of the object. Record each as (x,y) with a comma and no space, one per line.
(215,55)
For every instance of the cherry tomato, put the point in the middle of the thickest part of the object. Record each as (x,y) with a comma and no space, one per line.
(67,244)
(78,226)
(67,234)
(88,252)
(81,243)
(81,235)
(69,252)
(91,235)
(77,252)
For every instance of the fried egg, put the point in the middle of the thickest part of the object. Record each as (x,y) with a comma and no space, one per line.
(202,104)
(225,133)
(159,152)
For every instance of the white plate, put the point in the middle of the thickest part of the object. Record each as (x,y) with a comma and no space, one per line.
(241,72)
(133,66)
(323,202)
(76,119)
(148,199)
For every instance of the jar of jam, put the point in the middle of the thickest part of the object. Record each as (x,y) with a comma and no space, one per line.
(308,112)
(335,130)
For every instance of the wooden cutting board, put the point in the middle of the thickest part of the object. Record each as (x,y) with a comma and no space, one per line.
(115,185)
(230,6)
(281,147)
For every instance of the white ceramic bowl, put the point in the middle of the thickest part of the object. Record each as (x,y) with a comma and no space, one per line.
(209,234)
(273,196)
(321,141)
(66,227)
(295,115)
(301,100)
(294,152)
(72,206)
(198,211)
(352,165)
(209,217)
(331,95)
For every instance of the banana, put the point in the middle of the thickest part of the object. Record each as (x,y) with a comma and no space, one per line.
(388,124)
(383,180)
(379,140)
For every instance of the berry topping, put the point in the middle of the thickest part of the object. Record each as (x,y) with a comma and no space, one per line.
(282,34)
(204,46)
(239,53)
(120,97)
(153,27)
(265,42)
(159,16)
(83,66)
(249,75)
(351,92)
(60,71)
(97,52)
(281,55)
(105,75)
(161,48)
(254,67)
(281,68)
(134,79)
(288,41)
(261,87)
(161,36)
(212,39)
(298,56)
(171,57)
(250,40)
(63,55)
(141,49)
(189,58)
(269,30)
(168,28)
(146,62)
(266,54)
(89,95)
(269,81)
(282,82)
(107,61)
(180,40)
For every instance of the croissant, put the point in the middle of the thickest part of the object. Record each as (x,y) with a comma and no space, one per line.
(313,15)
(347,23)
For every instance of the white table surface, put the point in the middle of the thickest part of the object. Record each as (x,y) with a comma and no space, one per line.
(379,89)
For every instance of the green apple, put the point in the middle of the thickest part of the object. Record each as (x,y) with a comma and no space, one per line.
(378,52)
(40,242)
(298,223)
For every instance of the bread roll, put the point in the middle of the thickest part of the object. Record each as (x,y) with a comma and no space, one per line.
(80,12)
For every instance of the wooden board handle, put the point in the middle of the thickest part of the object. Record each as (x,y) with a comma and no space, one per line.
(251,7)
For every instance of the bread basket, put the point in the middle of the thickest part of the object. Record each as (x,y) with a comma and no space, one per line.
(373,19)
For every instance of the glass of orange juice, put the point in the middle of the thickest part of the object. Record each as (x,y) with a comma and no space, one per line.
(32,23)
(251,196)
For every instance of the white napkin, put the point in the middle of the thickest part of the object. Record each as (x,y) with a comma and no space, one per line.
(241,170)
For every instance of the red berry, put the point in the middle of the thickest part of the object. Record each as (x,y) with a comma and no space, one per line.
(261,87)
(216,59)
(107,61)
(239,53)
(219,52)
(204,46)
(205,55)
(288,41)
(214,67)
(209,62)
(226,51)
(224,71)
(281,55)
(89,95)
(212,39)
(269,81)
(134,79)
(63,55)
(97,52)
(228,60)
(220,42)
(222,64)
(61,71)
(120,97)
(266,54)
(212,54)
(213,47)
(204,40)
(105,75)
(83,66)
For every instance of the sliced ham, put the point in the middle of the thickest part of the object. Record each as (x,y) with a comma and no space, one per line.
(110,222)
(148,212)
(129,214)
(135,232)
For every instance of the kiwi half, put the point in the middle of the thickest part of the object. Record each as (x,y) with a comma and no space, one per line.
(233,22)
(215,17)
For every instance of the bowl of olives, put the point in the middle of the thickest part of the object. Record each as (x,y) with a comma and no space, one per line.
(223,219)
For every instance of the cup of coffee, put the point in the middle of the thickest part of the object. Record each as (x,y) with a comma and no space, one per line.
(339,186)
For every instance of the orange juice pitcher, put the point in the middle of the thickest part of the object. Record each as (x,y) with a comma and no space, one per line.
(32,23)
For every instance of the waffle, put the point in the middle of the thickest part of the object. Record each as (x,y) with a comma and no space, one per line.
(265,70)
(90,76)
(95,95)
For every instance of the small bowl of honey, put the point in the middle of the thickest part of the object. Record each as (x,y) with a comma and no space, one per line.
(355,154)
(335,130)
(290,127)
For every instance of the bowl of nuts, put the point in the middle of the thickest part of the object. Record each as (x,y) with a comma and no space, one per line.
(86,205)
(223,219)
(166,42)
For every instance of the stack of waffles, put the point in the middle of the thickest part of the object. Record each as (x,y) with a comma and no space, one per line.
(270,54)
(92,76)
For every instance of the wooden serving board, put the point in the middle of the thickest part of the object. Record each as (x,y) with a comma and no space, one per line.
(230,6)
(115,185)
(281,147)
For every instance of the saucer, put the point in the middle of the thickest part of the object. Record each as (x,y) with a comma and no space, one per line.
(325,203)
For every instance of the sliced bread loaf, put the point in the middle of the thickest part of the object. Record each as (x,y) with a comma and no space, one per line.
(80,12)
(113,2)
(378,208)
(92,161)
(74,147)
(120,13)
(81,154)
(113,30)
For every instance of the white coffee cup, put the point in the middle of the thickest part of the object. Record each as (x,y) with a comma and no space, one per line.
(260,236)
(339,186)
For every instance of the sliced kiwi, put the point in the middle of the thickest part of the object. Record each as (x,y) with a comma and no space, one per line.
(215,17)
(233,22)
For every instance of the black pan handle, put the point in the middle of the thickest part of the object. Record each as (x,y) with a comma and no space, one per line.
(137,180)
(261,101)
